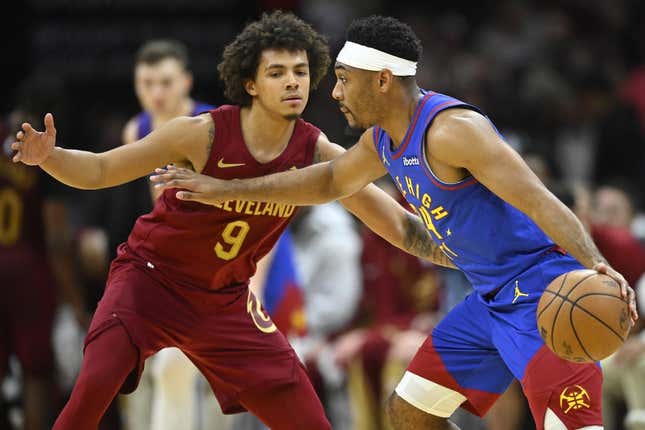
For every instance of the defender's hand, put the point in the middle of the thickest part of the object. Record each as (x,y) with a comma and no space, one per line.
(626,291)
(199,188)
(34,147)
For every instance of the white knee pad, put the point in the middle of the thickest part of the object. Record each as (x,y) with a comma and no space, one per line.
(552,422)
(429,396)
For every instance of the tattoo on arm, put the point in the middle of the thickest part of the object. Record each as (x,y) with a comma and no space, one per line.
(211,138)
(418,242)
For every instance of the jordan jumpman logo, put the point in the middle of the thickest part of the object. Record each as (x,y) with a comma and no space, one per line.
(518,293)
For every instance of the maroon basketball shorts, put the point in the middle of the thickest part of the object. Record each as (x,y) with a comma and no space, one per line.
(226,333)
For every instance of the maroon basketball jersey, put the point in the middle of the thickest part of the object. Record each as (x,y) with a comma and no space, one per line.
(21,194)
(211,247)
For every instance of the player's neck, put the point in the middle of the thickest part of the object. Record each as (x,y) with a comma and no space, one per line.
(185,108)
(399,114)
(265,134)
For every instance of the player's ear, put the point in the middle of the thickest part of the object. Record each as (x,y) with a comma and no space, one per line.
(249,86)
(188,80)
(385,78)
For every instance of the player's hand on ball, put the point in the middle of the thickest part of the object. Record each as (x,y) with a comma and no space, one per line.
(198,188)
(626,291)
(34,147)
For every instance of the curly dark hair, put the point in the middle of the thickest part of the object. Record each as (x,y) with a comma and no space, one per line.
(386,34)
(278,30)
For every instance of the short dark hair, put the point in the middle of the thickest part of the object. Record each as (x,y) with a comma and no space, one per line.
(386,34)
(278,30)
(155,51)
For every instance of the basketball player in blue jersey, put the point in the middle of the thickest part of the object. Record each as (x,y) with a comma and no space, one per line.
(487,213)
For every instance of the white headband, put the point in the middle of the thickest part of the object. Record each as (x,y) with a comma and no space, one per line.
(366,58)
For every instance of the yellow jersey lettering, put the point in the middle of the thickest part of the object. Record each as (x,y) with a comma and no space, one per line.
(398,182)
(268,209)
(439,212)
(408,182)
(11,215)
(426,200)
(257,210)
(289,211)
(427,220)
(239,206)
(249,206)
(279,210)
(449,252)
(227,206)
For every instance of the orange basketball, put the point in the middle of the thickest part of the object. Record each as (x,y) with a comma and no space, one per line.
(582,317)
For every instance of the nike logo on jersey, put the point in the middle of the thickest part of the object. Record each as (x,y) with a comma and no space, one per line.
(222,165)
(518,293)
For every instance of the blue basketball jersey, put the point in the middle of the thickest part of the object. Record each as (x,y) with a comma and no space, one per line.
(488,239)
(144,119)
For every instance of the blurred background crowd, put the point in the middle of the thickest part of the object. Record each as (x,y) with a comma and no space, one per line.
(563,81)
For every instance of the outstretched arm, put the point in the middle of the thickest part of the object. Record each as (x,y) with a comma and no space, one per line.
(384,215)
(465,139)
(182,139)
(312,185)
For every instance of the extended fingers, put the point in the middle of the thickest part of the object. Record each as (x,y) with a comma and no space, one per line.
(16,146)
(632,304)
(180,170)
(27,128)
(172,183)
(166,175)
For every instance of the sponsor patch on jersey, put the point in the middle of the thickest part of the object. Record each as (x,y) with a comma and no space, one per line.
(410,161)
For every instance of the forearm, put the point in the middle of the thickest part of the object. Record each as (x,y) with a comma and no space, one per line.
(418,242)
(387,218)
(310,186)
(566,230)
(78,169)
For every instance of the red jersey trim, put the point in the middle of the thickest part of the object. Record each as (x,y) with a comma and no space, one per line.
(413,124)
(426,166)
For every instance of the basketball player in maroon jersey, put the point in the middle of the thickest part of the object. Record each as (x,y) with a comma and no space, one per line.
(182,277)
(35,261)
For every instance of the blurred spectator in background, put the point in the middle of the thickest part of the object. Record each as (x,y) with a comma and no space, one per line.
(624,371)
(162,82)
(327,255)
(36,260)
(397,309)
(611,227)
(609,216)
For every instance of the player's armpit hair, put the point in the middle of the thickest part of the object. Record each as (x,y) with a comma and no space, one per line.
(418,242)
